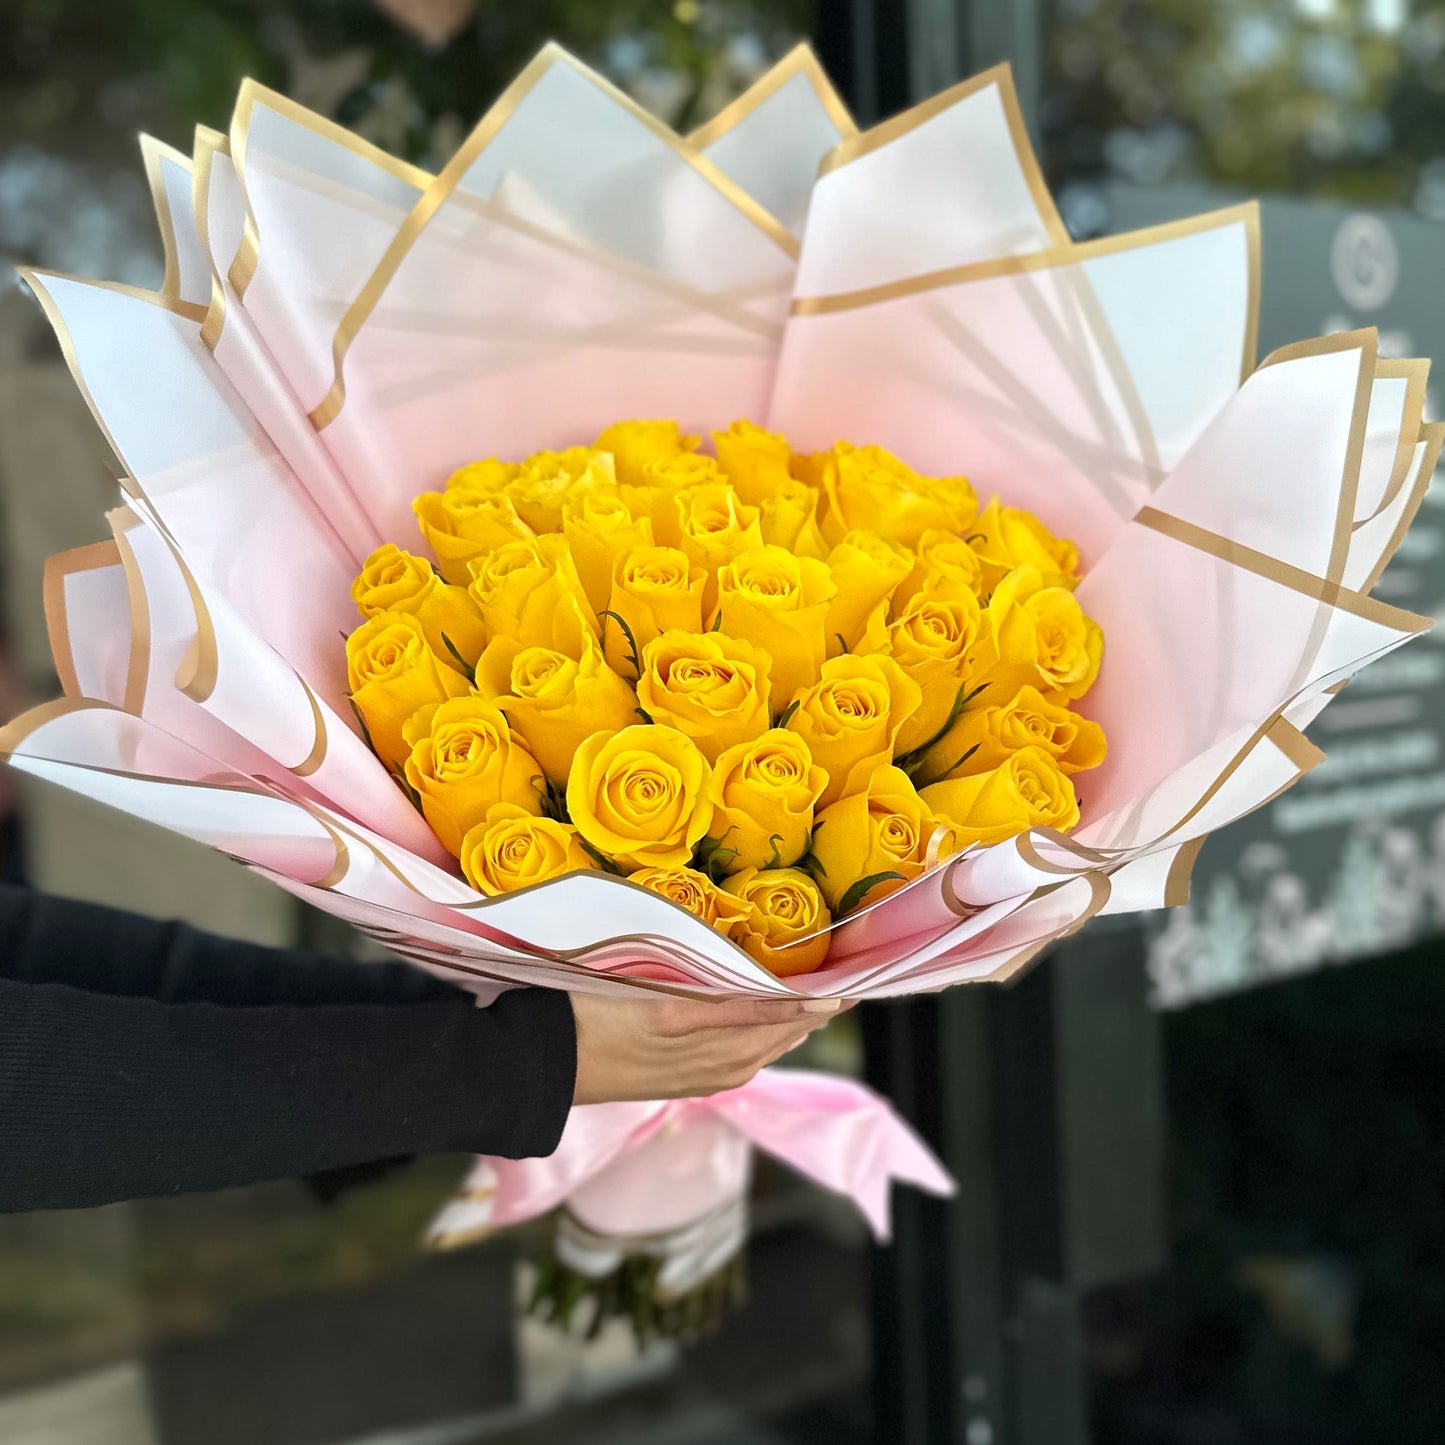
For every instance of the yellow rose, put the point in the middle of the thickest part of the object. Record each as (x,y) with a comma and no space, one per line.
(530,592)
(713,528)
(654,590)
(984,737)
(753,459)
(1035,636)
(866,568)
(763,794)
(698,894)
(460,526)
(511,849)
(885,832)
(463,761)
(1025,791)
(665,484)
(599,527)
(712,687)
(396,581)
(869,487)
(850,717)
(808,467)
(942,559)
(392,673)
(1007,537)
(639,796)
(546,479)
(554,702)
(790,520)
(634,444)
(484,478)
(779,603)
(931,641)
(785,931)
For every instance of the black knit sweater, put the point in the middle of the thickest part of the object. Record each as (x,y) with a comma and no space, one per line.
(141,1058)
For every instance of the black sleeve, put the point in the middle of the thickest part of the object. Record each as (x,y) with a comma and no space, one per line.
(139,1058)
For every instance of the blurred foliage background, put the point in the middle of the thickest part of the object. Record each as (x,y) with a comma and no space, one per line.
(1344,98)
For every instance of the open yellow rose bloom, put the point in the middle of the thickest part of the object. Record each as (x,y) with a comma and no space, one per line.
(771,688)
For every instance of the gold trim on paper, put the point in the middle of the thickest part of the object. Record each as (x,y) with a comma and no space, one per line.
(208,143)
(243,265)
(137,677)
(1320,589)
(999,76)
(313,760)
(153,153)
(14,733)
(1181,872)
(1415,374)
(800,60)
(357,314)
(95,557)
(1245,214)
(1433,435)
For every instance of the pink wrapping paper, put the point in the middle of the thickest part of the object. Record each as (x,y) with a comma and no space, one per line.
(337,330)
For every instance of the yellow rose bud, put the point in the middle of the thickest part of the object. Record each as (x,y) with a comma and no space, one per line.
(808,467)
(850,717)
(763,794)
(599,527)
(460,526)
(514,849)
(1035,636)
(463,761)
(665,484)
(639,796)
(634,444)
(484,478)
(1025,791)
(869,487)
(866,568)
(654,590)
(753,459)
(779,603)
(396,581)
(714,527)
(553,702)
(984,737)
(698,894)
(790,520)
(712,687)
(1008,537)
(546,479)
(530,592)
(931,641)
(942,559)
(883,829)
(785,931)
(392,673)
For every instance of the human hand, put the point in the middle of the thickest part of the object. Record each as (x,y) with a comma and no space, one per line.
(676,1048)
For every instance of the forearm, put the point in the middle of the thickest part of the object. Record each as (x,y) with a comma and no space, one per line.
(105,1098)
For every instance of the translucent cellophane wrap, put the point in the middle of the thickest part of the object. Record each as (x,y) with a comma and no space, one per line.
(337,331)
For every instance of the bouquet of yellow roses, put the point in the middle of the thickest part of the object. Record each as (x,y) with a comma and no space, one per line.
(768,688)
(787,717)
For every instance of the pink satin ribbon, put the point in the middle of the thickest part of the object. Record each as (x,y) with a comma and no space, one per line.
(835,1131)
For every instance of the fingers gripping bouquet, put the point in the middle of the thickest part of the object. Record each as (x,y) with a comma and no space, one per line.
(775,717)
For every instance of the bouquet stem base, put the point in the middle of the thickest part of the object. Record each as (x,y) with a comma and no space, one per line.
(579,1303)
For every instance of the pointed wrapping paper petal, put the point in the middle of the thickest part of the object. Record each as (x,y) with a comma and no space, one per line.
(835,1131)
(337,330)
